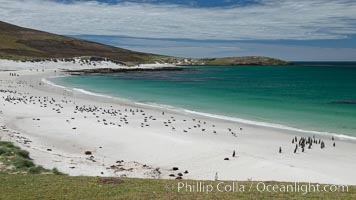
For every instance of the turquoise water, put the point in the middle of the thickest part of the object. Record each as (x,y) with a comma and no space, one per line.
(319,98)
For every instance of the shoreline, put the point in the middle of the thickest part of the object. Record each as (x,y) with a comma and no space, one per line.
(153,151)
(203,114)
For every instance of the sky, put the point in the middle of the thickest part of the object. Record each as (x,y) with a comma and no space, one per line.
(294,30)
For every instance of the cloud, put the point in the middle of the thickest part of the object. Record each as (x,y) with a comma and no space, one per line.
(207,48)
(268,20)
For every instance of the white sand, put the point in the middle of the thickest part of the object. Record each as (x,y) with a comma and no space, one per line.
(144,149)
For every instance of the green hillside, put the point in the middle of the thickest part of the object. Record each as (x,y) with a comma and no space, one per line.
(20,43)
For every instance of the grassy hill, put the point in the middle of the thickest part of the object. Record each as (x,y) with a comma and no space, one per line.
(20,43)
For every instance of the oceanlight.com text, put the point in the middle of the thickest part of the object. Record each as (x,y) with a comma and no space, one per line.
(263,187)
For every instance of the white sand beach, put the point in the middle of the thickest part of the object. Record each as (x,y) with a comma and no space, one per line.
(82,134)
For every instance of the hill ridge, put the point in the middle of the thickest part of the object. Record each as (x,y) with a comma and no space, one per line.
(19,43)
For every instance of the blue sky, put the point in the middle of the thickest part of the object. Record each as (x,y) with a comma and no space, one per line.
(319,30)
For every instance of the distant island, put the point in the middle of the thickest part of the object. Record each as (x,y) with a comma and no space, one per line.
(23,44)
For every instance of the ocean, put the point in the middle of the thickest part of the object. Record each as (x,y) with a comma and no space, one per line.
(318,97)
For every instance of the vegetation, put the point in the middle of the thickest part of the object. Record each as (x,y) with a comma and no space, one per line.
(14,160)
(66,187)
(18,43)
